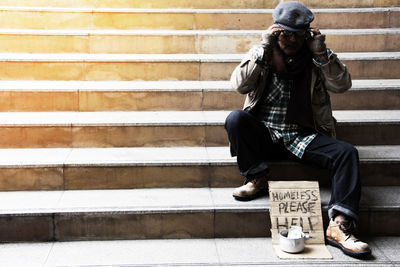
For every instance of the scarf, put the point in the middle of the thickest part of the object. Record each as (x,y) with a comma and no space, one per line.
(298,69)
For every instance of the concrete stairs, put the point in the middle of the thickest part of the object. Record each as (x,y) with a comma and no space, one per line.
(111,125)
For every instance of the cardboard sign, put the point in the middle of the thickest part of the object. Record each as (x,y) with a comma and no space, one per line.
(298,203)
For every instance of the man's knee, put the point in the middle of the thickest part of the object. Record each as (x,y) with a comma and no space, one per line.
(235,119)
(349,149)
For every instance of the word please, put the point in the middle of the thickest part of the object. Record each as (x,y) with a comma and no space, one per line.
(297,206)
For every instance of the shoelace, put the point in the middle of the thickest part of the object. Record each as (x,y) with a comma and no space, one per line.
(348,228)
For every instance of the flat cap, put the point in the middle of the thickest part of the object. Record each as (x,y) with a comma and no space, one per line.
(293,16)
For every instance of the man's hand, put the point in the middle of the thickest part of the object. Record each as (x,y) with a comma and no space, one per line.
(316,41)
(270,36)
(316,44)
(269,39)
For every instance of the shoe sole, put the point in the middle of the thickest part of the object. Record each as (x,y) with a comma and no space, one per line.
(248,198)
(346,251)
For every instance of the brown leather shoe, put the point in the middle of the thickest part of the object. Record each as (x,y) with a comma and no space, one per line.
(340,234)
(252,189)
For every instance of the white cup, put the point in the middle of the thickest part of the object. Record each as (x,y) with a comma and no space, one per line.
(291,245)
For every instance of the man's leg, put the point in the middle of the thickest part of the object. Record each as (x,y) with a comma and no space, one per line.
(251,143)
(342,160)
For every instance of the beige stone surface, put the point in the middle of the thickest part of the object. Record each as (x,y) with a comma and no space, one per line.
(392,41)
(41,71)
(374,69)
(385,99)
(383,223)
(395,18)
(338,3)
(363,43)
(356,20)
(53,3)
(233,4)
(225,176)
(38,101)
(222,100)
(235,21)
(210,71)
(138,44)
(133,226)
(216,136)
(31,179)
(226,44)
(31,136)
(145,4)
(388,3)
(44,44)
(33,228)
(137,177)
(142,71)
(171,21)
(133,100)
(137,136)
(20,19)
(251,224)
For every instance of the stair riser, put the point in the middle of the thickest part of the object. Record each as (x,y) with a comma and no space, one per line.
(197,4)
(178,100)
(186,21)
(196,176)
(113,101)
(129,225)
(125,71)
(153,136)
(177,44)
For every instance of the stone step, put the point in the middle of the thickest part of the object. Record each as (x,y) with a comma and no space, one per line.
(184,252)
(182,95)
(166,128)
(179,41)
(158,167)
(233,4)
(27,66)
(164,213)
(186,19)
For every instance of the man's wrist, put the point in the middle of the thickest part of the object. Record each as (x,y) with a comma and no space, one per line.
(257,53)
(322,58)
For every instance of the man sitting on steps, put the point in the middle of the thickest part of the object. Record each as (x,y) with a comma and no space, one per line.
(287,115)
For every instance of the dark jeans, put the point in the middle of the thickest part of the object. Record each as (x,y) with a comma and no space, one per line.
(251,143)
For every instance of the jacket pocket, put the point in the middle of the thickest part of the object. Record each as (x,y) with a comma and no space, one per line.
(324,121)
(320,96)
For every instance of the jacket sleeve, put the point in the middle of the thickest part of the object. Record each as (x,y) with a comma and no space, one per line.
(334,74)
(246,75)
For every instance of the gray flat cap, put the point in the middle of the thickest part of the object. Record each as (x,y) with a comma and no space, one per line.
(293,16)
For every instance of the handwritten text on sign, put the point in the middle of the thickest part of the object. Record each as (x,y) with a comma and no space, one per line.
(296,203)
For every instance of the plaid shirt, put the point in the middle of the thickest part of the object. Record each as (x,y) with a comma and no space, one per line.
(273,113)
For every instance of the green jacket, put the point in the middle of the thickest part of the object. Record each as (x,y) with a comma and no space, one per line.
(251,78)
